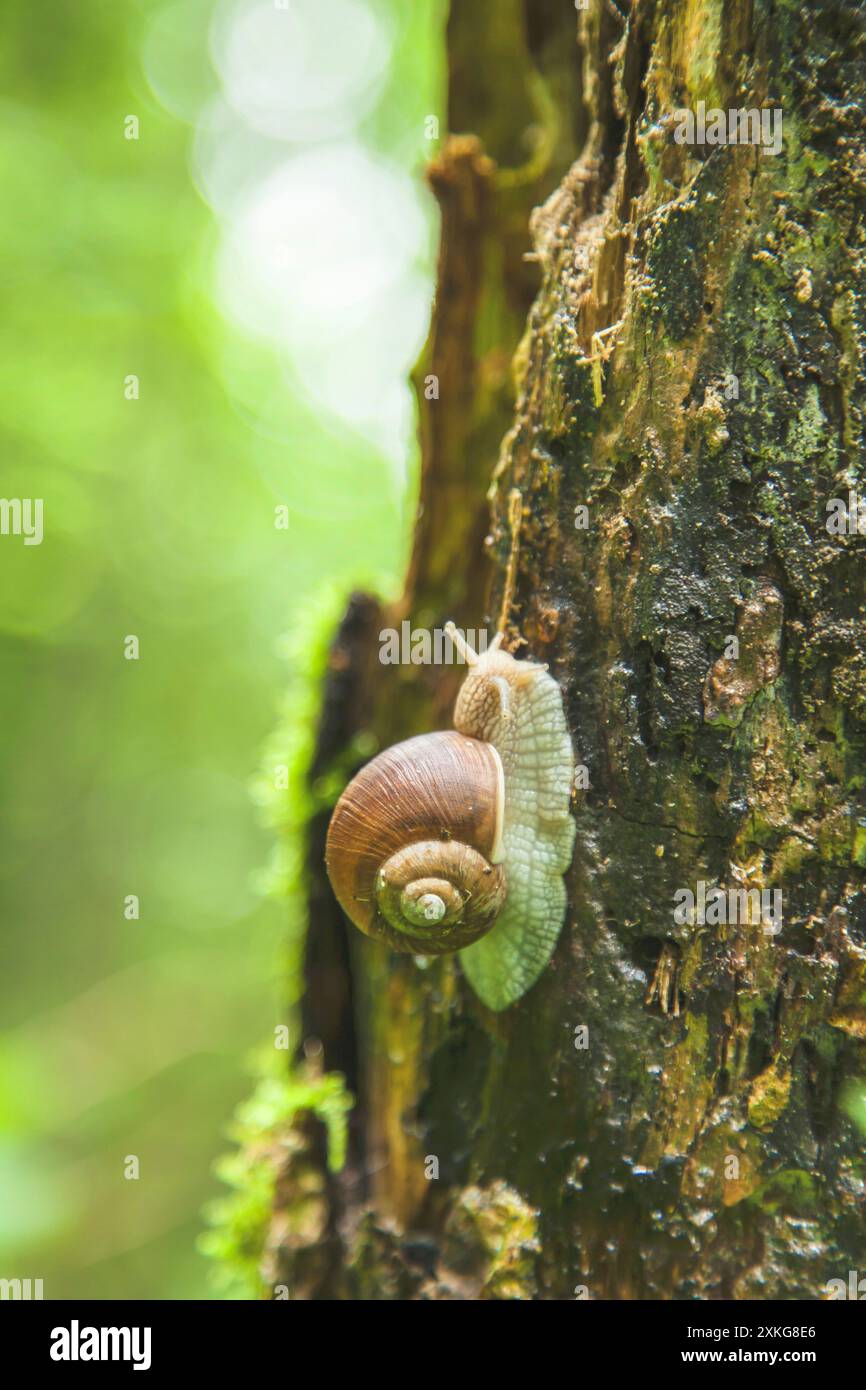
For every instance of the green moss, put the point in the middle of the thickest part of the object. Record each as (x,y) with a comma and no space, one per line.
(704,54)
(791,858)
(493,1233)
(835,836)
(239,1222)
(281,787)
(808,432)
(792,1191)
(771,1092)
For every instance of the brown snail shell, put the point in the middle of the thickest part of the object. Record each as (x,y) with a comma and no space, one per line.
(415,841)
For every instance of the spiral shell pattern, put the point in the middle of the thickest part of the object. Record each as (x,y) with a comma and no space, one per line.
(415,841)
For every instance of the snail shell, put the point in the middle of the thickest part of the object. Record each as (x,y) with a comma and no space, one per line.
(458,841)
(415,841)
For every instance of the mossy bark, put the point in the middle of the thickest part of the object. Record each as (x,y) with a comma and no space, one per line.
(702,1144)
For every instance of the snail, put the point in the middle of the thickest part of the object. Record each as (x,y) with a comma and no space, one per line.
(459,840)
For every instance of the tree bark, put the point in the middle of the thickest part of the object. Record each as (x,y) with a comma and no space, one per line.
(670,1112)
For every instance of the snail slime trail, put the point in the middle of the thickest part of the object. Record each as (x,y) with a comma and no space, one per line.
(459,840)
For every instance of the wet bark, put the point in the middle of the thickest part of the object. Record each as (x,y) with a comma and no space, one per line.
(670,1112)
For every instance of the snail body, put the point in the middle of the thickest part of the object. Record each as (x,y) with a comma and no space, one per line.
(458,841)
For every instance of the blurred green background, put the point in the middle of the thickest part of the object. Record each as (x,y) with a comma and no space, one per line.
(260,260)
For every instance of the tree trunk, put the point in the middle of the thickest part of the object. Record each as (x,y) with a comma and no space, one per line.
(671,1111)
